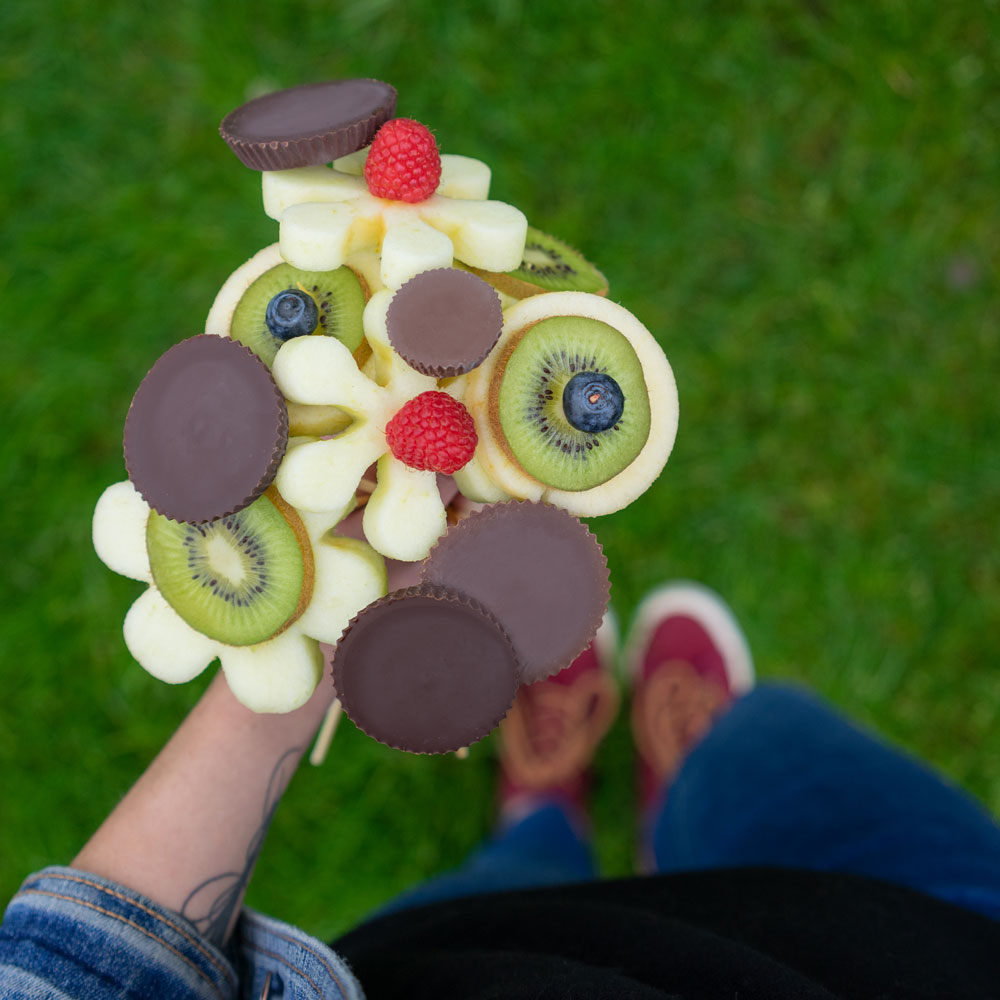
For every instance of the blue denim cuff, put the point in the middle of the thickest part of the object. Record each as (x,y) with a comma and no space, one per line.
(69,934)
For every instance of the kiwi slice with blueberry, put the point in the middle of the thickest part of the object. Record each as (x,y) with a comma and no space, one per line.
(572,402)
(548,265)
(285,302)
(241,579)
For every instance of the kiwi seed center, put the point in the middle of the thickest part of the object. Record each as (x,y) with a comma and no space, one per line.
(226,559)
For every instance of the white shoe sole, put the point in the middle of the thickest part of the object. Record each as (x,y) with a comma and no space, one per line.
(706,607)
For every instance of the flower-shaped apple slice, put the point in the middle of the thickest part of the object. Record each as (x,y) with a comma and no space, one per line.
(236,563)
(405,515)
(327,215)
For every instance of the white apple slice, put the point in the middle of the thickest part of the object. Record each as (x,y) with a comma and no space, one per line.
(163,643)
(321,371)
(275,676)
(485,234)
(349,575)
(463,177)
(220,316)
(633,480)
(284,188)
(411,246)
(322,476)
(474,483)
(404,516)
(367,265)
(119,531)
(318,237)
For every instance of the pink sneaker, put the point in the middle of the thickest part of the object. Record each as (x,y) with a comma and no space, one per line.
(550,735)
(687,659)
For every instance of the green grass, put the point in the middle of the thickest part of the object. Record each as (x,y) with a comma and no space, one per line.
(800,200)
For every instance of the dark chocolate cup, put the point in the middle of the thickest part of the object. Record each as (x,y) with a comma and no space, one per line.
(538,569)
(425,670)
(309,125)
(206,430)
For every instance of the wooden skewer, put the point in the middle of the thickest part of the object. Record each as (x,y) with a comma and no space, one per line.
(325,736)
(462,752)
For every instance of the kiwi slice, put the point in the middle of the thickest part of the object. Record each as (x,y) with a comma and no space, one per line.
(240,579)
(339,298)
(538,385)
(548,265)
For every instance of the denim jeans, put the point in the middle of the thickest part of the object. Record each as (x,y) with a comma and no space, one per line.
(69,935)
(779,780)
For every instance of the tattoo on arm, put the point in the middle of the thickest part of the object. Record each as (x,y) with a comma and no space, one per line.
(212,906)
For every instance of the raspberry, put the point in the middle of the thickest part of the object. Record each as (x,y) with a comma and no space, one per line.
(403,163)
(432,431)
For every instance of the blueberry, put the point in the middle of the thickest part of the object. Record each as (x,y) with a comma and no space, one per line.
(291,313)
(593,402)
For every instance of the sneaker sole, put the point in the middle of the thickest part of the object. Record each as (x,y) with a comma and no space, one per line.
(606,642)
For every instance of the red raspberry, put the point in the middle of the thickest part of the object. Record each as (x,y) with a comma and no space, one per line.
(404,163)
(432,431)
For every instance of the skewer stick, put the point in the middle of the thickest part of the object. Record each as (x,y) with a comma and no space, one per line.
(325,736)
(462,752)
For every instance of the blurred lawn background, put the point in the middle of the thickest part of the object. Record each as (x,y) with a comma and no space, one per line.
(799,199)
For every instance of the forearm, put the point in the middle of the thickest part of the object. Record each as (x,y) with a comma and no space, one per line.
(188,833)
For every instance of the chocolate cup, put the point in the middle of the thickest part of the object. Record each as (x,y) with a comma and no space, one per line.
(309,125)
(444,322)
(206,430)
(538,569)
(425,670)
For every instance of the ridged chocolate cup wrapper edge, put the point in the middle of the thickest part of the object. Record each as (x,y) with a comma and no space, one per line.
(206,430)
(538,569)
(425,670)
(309,125)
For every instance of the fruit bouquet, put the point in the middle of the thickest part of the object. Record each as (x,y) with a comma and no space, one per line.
(403,327)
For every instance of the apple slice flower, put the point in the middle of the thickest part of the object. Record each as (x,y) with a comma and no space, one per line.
(405,514)
(424,222)
(336,578)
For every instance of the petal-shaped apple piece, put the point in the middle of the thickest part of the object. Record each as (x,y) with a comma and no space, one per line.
(321,371)
(278,675)
(463,177)
(474,483)
(301,185)
(163,643)
(119,531)
(319,237)
(349,575)
(323,475)
(367,265)
(480,230)
(404,516)
(411,246)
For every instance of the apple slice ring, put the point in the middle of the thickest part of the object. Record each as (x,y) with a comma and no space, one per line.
(493,454)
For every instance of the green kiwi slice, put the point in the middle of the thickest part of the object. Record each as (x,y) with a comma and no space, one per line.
(530,402)
(339,297)
(548,265)
(238,579)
